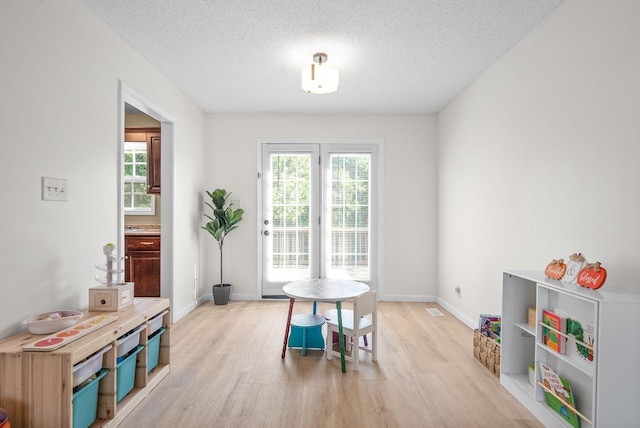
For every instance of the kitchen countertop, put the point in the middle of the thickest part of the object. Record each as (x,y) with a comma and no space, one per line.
(142,230)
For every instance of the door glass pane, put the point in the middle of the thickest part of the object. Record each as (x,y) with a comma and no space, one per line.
(350,187)
(291,187)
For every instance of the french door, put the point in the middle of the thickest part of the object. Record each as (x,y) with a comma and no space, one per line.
(318,217)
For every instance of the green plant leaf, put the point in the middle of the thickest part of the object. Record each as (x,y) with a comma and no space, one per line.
(223,220)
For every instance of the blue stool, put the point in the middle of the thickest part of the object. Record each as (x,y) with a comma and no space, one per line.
(306,332)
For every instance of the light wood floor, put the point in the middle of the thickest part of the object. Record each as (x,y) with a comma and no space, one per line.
(226,371)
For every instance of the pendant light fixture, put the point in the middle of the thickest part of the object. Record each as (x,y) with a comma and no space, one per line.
(320,79)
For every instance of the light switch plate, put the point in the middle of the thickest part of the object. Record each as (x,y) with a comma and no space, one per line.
(54,189)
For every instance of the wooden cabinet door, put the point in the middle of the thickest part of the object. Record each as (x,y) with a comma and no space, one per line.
(153,163)
(142,265)
(143,269)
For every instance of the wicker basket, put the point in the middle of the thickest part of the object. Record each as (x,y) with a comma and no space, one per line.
(487,351)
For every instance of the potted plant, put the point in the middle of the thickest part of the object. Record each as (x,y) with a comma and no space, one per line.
(223,220)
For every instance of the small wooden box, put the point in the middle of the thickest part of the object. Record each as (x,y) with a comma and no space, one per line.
(532,317)
(110,298)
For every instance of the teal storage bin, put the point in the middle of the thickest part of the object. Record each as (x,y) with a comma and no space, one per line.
(153,349)
(85,402)
(126,374)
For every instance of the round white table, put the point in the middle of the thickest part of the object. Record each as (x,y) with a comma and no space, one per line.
(322,290)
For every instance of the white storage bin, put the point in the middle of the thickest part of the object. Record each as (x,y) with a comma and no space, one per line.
(155,323)
(87,368)
(129,341)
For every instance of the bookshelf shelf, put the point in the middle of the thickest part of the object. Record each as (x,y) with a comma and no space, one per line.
(571,341)
(567,404)
(526,328)
(601,364)
(586,369)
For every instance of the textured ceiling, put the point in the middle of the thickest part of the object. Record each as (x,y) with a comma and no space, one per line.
(402,56)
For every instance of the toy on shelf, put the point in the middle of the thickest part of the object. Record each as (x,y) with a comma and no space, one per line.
(109,267)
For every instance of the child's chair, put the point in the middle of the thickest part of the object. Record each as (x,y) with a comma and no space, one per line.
(365,313)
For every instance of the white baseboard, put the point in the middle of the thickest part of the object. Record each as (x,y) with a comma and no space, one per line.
(184,311)
(456,313)
(245,297)
(404,298)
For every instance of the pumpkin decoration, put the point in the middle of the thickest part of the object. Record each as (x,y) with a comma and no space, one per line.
(556,269)
(592,275)
(574,265)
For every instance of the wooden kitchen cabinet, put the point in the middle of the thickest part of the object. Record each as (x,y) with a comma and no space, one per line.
(151,136)
(153,163)
(142,264)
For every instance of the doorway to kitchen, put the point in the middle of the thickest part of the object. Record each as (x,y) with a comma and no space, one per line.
(320,212)
(129,98)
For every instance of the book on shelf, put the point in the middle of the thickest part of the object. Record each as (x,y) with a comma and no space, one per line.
(490,325)
(583,331)
(581,339)
(561,387)
(552,338)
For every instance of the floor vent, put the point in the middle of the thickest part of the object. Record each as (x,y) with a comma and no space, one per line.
(434,312)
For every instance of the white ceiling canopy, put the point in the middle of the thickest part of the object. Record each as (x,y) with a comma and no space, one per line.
(246,56)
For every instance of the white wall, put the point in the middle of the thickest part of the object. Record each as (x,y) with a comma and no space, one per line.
(539,157)
(409,192)
(60,69)
(535,160)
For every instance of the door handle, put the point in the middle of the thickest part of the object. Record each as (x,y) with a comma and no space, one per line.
(266,233)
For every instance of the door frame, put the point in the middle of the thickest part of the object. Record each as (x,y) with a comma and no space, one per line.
(127,95)
(377,253)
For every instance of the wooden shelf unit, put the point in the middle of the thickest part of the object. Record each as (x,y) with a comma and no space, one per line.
(36,388)
(606,389)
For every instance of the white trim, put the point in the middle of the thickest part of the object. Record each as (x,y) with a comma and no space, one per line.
(314,230)
(128,95)
(259,219)
(456,313)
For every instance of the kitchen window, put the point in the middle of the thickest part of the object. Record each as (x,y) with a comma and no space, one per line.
(136,199)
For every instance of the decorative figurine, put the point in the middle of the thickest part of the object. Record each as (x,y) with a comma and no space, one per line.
(109,266)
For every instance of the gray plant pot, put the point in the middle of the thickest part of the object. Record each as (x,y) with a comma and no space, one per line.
(221,293)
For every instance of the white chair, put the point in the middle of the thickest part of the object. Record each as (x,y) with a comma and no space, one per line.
(332,314)
(365,312)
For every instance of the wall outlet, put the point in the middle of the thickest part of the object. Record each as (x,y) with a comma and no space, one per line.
(54,189)
(458,291)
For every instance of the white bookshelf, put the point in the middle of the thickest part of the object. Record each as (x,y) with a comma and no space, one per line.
(606,389)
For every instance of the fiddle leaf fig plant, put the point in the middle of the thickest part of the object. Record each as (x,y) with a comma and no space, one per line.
(223,220)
